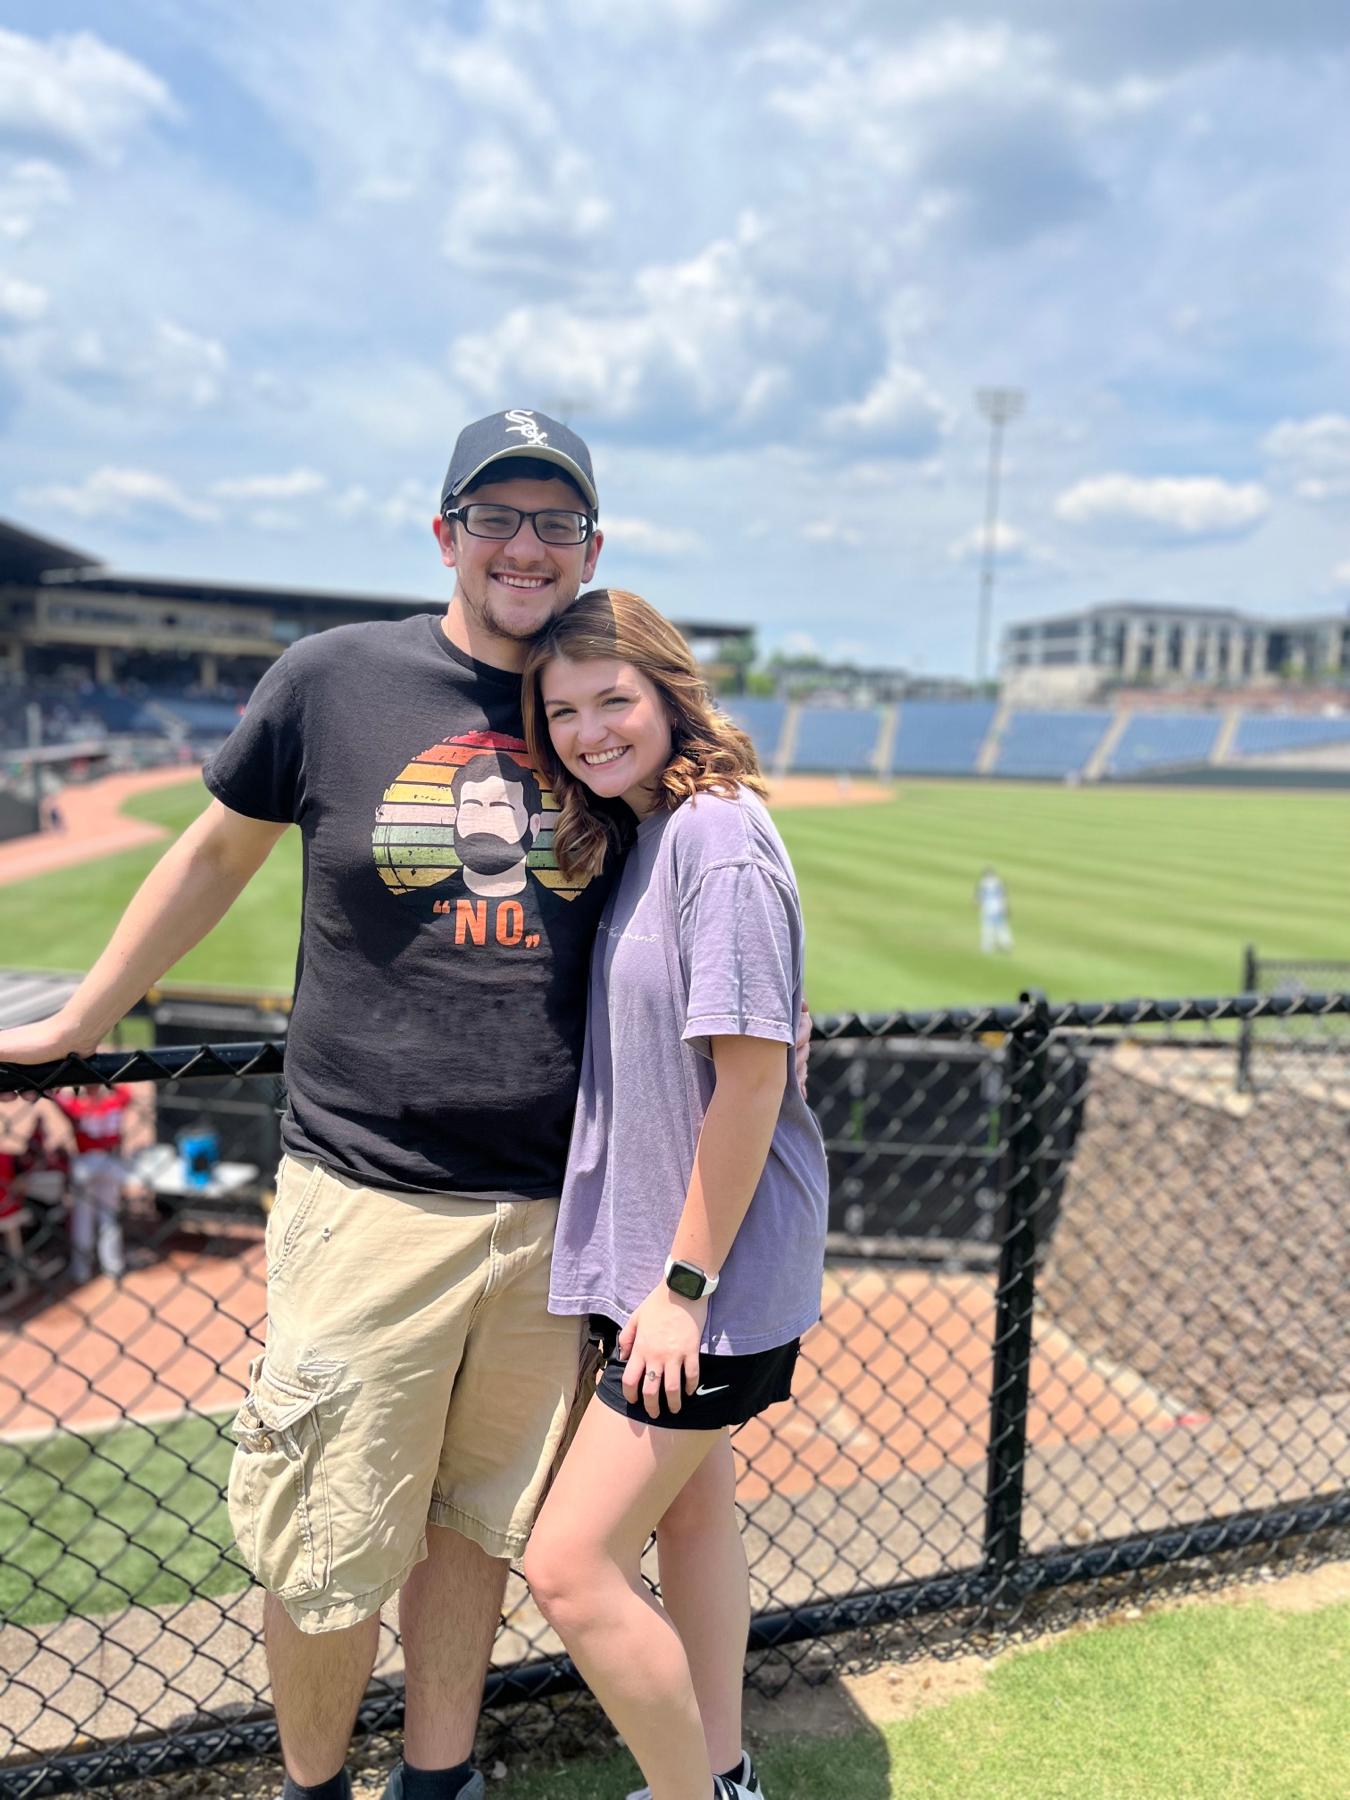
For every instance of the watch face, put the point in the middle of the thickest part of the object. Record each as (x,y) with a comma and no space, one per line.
(685,1280)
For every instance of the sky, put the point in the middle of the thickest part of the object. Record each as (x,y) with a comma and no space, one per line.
(260,261)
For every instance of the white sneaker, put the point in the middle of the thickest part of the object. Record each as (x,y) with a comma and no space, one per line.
(744,1785)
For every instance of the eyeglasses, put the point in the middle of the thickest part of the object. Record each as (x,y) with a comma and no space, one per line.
(483,520)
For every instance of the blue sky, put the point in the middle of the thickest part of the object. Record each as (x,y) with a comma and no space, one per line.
(259,261)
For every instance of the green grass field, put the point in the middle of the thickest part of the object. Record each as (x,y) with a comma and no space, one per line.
(1214,1702)
(1115,893)
(92,1523)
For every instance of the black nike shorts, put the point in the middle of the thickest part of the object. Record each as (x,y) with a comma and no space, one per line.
(731,1389)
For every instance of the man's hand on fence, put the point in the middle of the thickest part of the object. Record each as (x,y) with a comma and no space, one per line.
(47,1041)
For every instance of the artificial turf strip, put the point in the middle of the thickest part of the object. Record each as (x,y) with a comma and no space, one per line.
(1114,893)
(91,1523)
(1208,1702)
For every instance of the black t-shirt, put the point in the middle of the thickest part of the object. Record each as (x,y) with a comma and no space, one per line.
(440,990)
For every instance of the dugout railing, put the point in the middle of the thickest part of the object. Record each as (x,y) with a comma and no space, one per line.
(1084,1324)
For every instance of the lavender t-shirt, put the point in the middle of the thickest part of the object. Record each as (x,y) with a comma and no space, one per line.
(702,938)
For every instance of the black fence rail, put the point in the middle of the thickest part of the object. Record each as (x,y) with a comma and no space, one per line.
(1085,1317)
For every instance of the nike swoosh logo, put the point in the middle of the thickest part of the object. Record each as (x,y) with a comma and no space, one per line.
(717,1390)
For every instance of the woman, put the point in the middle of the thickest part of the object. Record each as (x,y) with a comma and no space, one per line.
(693,1214)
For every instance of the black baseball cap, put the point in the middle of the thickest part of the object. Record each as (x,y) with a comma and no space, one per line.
(519,432)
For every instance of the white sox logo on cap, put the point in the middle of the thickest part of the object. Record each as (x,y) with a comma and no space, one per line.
(524,423)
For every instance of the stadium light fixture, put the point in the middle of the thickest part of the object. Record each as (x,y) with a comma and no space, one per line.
(998,405)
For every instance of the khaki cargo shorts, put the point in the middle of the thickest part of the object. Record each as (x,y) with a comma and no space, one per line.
(413,1374)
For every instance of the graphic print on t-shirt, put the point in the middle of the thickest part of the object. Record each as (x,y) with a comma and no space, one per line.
(467,830)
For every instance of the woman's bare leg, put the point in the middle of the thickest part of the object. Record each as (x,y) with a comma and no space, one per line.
(582,1564)
(705,1587)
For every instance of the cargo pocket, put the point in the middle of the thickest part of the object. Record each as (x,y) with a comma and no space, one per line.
(278,1490)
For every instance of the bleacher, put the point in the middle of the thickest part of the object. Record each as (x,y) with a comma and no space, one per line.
(1049,744)
(1266,734)
(940,737)
(836,740)
(1154,740)
(761,719)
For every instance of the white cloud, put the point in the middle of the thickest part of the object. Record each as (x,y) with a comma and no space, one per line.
(512,212)
(78,93)
(831,531)
(27,190)
(1010,545)
(411,505)
(1314,454)
(299,484)
(702,339)
(1170,508)
(486,74)
(185,366)
(170,368)
(1341,574)
(21,302)
(900,409)
(800,643)
(885,100)
(646,539)
(119,493)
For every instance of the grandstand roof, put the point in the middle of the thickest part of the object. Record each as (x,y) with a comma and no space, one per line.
(102,580)
(24,556)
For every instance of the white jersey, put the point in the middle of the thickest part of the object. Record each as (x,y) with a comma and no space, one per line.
(992,897)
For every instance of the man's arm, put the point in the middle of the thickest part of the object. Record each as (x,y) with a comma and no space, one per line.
(189,890)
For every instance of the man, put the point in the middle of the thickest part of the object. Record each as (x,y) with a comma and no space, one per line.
(399,1429)
(422,1442)
(991,897)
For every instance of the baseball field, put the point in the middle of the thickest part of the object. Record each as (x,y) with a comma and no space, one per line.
(1114,892)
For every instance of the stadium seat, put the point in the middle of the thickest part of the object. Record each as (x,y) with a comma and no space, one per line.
(838,740)
(1050,744)
(940,737)
(1163,740)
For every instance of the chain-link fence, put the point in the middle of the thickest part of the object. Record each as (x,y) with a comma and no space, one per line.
(1085,1316)
(1287,979)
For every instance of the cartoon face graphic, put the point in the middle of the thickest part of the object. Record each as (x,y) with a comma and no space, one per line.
(469,811)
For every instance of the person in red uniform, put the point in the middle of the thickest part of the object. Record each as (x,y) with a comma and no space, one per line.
(98,1173)
(14,1215)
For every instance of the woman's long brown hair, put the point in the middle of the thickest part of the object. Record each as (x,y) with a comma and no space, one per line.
(708,754)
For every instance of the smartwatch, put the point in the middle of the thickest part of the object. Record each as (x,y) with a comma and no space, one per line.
(689,1281)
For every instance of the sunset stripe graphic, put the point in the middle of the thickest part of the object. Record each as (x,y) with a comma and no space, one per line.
(414,838)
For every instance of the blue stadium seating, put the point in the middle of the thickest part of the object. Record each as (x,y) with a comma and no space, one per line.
(1050,744)
(1260,734)
(837,740)
(761,718)
(940,737)
(1155,740)
(204,718)
(121,712)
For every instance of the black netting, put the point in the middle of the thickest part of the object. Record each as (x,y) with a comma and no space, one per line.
(1085,1317)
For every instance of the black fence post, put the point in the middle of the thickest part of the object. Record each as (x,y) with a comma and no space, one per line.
(1244,1056)
(1028,1076)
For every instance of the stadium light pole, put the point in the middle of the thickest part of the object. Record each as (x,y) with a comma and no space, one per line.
(998,405)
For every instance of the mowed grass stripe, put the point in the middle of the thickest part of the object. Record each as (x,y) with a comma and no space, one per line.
(1115,892)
